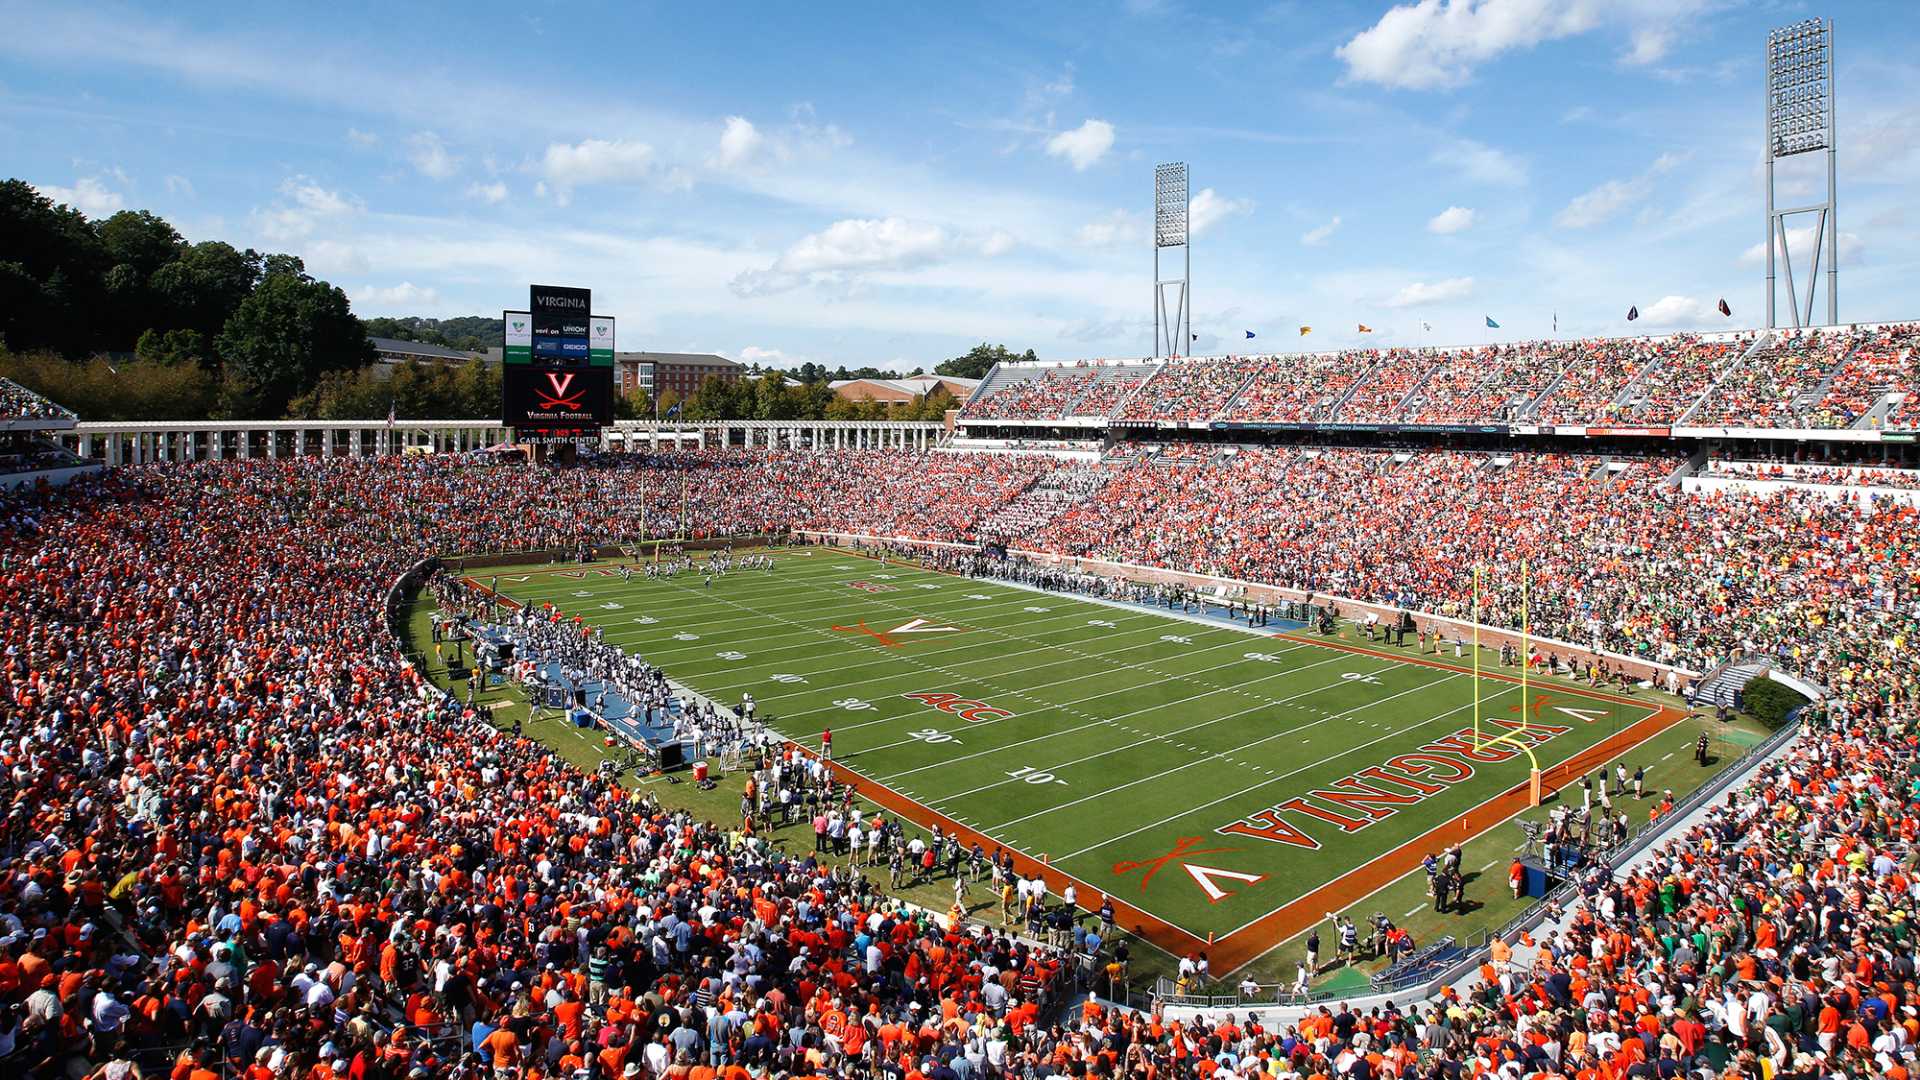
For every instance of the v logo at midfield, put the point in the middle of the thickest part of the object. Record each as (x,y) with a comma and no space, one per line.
(886,637)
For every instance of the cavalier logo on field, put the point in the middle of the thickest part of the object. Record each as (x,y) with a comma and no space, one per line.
(911,626)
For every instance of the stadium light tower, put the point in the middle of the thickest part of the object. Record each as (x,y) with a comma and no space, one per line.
(1172,328)
(1800,121)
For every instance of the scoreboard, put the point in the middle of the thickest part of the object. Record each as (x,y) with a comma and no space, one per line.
(557,371)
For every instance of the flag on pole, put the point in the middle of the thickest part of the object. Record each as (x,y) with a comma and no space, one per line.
(1305,330)
(1194,337)
(1365,329)
(1633,313)
(1249,335)
(1426,327)
(1556,322)
(1724,309)
(1491,325)
(390,412)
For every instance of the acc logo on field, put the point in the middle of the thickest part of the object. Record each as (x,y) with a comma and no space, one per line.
(973,712)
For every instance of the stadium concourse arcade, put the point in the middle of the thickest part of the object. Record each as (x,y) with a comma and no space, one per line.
(247,834)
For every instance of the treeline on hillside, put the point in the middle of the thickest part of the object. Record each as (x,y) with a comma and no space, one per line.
(772,396)
(148,320)
(120,318)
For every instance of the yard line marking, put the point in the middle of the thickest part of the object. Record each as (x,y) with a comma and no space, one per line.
(1263,783)
(995,633)
(1083,727)
(1487,867)
(1414,912)
(1223,753)
(1068,706)
(1669,754)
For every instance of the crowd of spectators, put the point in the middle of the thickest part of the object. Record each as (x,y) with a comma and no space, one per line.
(1191,390)
(1596,373)
(1847,476)
(19,403)
(1817,378)
(1108,393)
(1042,397)
(1299,389)
(1767,390)
(246,838)
(1495,382)
(1619,560)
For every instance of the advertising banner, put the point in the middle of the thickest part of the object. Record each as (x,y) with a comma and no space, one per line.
(600,342)
(519,341)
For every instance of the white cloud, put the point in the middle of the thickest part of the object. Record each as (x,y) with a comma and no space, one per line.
(402,295)
(304,204)
(1316,237)
(1451,220)
(996,243)
(1084,145)
(361,138)
(1208,209)
(1421,293)
(1669,311)
(1602,202)
(1800,245)
(594,161)
(308,195)
(754,354)
(430,156)
(492,194)
(1115,230)
(1437,44)
(1482,164)
(739,142)
(845,249)
(179,185)
(87,195)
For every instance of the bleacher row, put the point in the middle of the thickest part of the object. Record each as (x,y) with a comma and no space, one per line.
(19,403)
(1824,378)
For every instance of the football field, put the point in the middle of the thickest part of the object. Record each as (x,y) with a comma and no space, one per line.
(1226,787)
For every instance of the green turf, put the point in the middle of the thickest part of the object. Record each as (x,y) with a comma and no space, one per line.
(1130,730)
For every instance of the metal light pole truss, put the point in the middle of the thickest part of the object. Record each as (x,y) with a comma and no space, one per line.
(1800,121)
(1172,325)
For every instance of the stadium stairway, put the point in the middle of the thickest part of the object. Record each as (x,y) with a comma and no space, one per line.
(998,379)
(1234,398)
(1531,409)
(1340,403)
(1760,341)
(1722,686)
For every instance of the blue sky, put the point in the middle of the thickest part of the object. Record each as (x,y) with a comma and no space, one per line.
(890,184)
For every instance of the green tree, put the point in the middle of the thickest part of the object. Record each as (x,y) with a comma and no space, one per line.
(139,239)
(171,347)
(100,389)
(204,286)
(52,286)
(283,338)
(934,406)
(719,399)
(979,360)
